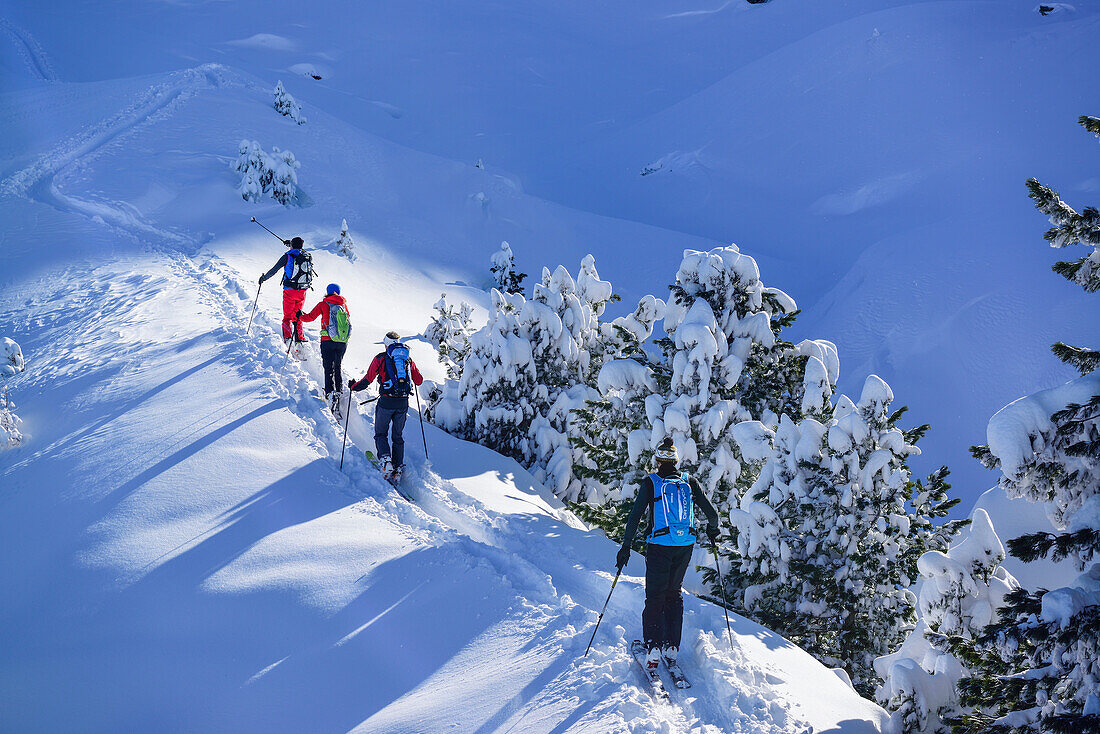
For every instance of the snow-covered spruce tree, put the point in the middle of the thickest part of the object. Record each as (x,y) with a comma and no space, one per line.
(827,538)
(579,304)
(449,332)
(343,243)
(525,369)
(1071,228)
(491,402)
(275,174)
(11,364)
(1038,669)
(610,434)
(503,268)
(287,106)
(961,592)
(284,176)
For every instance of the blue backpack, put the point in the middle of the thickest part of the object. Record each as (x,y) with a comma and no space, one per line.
(673,511)
(398,382)
(298,273)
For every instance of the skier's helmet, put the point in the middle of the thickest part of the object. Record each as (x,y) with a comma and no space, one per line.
(332,288)
(666,451)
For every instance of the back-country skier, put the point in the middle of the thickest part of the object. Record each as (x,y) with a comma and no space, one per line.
(670,497)
(397,375)
(297,267)
(335,330)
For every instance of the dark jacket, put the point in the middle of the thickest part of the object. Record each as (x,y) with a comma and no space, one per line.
(643,502)
(281,265)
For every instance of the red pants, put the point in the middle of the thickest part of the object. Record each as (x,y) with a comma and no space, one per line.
(292,301)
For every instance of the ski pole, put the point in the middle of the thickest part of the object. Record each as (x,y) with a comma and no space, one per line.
(725,605)
(369,400)
(254,304)
(618,571)
(346,417)
(421,414)
(272,233)
(293,340)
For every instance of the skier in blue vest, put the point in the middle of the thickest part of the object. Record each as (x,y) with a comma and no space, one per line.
(670,497)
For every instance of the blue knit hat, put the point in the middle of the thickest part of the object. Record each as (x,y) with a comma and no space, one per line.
(332,288)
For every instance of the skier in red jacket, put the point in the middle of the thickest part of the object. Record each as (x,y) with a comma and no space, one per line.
(335,331)
(396,375)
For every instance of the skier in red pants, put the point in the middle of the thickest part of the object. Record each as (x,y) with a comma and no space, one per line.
(297,267)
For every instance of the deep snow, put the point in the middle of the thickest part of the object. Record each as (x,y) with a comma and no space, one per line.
(182,552)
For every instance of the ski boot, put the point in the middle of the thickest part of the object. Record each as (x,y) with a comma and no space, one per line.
(335,405)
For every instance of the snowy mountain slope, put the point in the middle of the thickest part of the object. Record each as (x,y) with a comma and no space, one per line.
(870,154)
(189,557)
(183,552)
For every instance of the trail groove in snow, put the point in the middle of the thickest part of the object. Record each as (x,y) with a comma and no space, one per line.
(31,51)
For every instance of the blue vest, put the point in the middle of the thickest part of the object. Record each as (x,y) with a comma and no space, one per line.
(673,511)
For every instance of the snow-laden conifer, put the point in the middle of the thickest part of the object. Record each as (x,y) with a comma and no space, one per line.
(343,244)
(449,332)
(1038,667)
(286,105)
(612,432)
(275,174)
(11,364)
(826,540)
(503,267)
(531,364)
(960,593)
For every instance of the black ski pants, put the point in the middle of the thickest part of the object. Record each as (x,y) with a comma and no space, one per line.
(332,355)
(385,419)
(663,616)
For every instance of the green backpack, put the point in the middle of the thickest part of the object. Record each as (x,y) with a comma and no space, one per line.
(339,322)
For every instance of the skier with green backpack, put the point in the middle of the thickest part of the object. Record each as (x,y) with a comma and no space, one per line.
(335,330)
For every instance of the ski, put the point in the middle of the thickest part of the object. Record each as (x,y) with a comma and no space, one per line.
(392,477)
(676,672)
(657,686)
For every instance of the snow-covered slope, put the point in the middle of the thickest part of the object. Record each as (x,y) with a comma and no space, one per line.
(870,154)
(184,554)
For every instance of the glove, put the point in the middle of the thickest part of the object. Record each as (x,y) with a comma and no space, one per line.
(351,384)
(712,534)
(261,280)
(287,243)
(300,314)
(622,557)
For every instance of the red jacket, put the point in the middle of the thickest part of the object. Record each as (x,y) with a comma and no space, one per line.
(377,371)
(322,309)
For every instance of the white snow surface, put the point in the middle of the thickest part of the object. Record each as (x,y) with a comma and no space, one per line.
(182,551)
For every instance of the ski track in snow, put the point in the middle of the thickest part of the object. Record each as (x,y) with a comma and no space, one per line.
(31,51)
(608,694)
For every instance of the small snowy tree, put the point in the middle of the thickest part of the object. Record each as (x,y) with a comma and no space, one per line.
(275,174)
(284,176)
(343,244)
(286,105)
(11,364)
(961,592)
(503,268)
(449,332)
